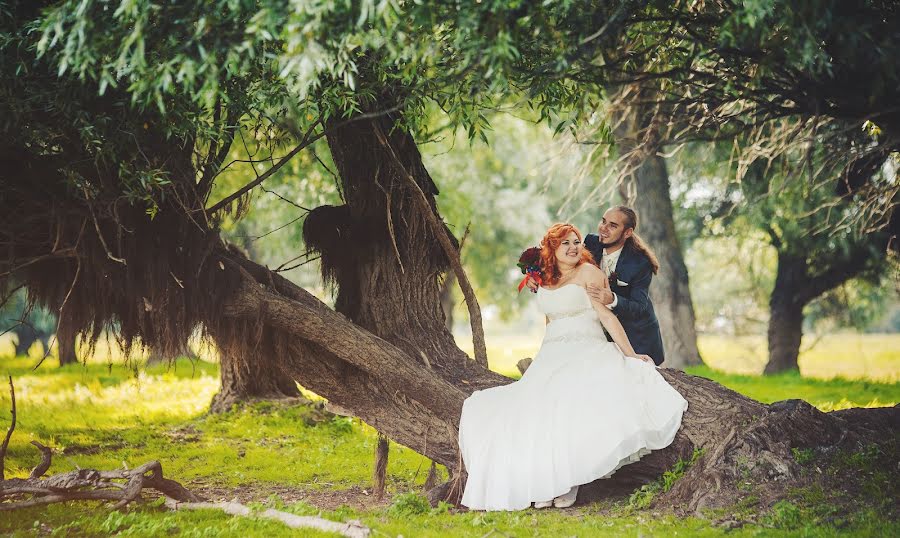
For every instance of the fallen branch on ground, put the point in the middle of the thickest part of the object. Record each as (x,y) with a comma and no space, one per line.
(81,484)
(89,484)
(351,529)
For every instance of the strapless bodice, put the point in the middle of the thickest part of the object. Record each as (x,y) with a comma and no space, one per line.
(571,315)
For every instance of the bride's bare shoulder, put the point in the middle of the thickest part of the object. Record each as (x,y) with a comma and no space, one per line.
(591,274)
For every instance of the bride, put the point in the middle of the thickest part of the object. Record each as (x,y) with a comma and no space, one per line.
(584,408)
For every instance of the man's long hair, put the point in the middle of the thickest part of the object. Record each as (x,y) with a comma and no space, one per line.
(631,221)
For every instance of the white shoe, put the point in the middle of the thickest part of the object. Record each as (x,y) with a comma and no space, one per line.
(543,504)
(567,499)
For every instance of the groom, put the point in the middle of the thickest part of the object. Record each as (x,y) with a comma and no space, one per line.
(630,266)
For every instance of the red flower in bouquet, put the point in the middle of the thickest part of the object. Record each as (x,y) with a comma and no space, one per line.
(530,264)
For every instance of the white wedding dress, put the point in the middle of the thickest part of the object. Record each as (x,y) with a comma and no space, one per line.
(581,411)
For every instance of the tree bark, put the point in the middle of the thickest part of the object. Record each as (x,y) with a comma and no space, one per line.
(245,379)
(646,189)
(786,314)
(65,342)
(447,302)
(379,249)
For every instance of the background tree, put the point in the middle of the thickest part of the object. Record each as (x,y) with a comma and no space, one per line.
(29,325)
(812,256)
(645,186)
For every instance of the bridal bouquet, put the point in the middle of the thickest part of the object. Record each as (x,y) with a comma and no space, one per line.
(530,264)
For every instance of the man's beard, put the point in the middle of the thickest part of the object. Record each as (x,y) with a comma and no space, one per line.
(607,245)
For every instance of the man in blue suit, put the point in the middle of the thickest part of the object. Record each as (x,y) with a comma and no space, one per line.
(630,266)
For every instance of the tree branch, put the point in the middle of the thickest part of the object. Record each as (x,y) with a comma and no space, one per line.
(304,143)
(9,432)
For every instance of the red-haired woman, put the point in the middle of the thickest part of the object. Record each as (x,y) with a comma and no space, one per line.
(584,408)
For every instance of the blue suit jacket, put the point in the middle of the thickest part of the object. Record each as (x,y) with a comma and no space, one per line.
(634,308)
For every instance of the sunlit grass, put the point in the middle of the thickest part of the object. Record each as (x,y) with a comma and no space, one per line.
(874,357)
(827,395)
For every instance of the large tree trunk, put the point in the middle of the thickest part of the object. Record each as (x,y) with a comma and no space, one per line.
(378,248)
(646,189)
(798,281)
(65,342)
(786,314)
(247,379)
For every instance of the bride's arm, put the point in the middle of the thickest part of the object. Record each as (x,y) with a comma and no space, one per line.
(609,320)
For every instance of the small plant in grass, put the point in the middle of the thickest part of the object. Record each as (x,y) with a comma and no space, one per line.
(643,497)
(136,523)
(409,504)
(342,425)
(785,515)
(802,455)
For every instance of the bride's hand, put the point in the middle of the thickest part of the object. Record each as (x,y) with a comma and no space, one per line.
(645,358)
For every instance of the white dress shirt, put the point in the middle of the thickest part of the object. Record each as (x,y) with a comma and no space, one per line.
(608,263)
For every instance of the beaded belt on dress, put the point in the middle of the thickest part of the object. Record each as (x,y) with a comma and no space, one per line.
(577,337)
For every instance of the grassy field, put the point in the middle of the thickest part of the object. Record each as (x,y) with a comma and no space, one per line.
(296,458)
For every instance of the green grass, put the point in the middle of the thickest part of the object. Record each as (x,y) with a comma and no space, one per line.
(105,414)
(875,357)
(827,395)
(787,520)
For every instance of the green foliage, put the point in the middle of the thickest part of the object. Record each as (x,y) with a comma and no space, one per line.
(408,504)
(783,212)
(802,455)
(643,497)
(786,515)
(508,194)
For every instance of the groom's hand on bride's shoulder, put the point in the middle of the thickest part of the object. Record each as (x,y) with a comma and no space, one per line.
(603,295)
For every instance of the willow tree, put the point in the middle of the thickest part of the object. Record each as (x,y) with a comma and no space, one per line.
(113,141)
(814,255)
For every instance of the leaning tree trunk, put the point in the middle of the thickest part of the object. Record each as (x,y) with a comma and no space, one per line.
(646,188)
(249,368)
(746,445)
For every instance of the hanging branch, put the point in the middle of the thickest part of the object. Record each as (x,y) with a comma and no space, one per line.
(12,427)
(440,231)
